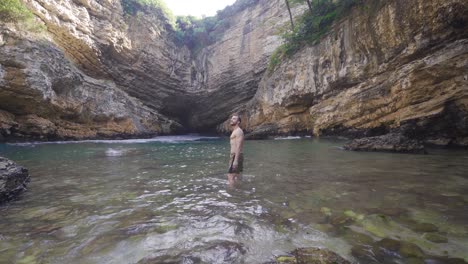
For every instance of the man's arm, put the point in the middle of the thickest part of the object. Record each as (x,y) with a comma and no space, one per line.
(239,146)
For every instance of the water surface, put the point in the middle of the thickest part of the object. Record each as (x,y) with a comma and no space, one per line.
(167,199)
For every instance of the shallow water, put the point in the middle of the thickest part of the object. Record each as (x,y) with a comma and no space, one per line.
(167,199)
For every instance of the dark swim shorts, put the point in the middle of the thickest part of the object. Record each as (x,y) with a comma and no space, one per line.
(240,165)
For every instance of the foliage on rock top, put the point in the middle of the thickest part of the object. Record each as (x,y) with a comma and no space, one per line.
(311,26)
(191,31)
(197,33)
(159,7)
(14,11)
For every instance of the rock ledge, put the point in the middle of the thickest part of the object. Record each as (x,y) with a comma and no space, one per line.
(392,142)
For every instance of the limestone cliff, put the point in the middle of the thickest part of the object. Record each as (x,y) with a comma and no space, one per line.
(390,66)
(229,71)
(399,66)
(87,75)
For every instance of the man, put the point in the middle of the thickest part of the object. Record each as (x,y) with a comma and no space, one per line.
(236,161)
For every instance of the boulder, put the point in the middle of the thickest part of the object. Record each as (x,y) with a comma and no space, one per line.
(13,179)
(318,256)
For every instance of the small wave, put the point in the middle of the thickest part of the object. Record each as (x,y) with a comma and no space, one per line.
(162,139)
(287,138)
(114,152)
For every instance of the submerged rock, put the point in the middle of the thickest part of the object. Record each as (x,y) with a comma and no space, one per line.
(311,256)
(388,211)
(286,260)
(435,238)
(387,143)
(13,179)
(425,227)
(167,259)
(357,237)
(388,250)
(317,256)
(364,253)
(420,227)
(410,250)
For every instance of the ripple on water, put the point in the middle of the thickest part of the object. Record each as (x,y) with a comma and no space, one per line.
(168,199)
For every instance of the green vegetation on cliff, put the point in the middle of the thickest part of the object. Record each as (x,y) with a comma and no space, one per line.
(14,11)
(197,33)
(131,7)
(311,26)
(191,31)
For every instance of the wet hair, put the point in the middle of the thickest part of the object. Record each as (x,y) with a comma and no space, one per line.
(238,117)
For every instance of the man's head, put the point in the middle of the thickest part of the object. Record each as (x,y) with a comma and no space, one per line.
(235,120)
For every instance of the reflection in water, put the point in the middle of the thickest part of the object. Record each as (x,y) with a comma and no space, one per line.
(168,200)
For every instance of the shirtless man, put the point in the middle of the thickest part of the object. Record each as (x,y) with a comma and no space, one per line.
(236,161)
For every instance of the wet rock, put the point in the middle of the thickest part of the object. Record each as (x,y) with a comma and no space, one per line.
(326,211)
(435,237)
(444,260)
(357,238)
(243,229)
(280,221)
(326,228)
(13,179)
(415,261)
(419,227)
(227,250)
(364,253)
(318,256)
(341,220)
(353,215)
(410,250)
(46,229)
(387,143)
(388,211)
(388,243)
(425,227)
(286,260)
(378,225)
(391,248)
(167,259)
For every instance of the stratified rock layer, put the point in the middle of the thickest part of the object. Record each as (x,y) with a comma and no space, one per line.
(13,179)
(87,76)
(387,143)
(228,72)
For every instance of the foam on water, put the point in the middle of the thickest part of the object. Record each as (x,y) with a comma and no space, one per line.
(162,139)
(287,138)
(114,152)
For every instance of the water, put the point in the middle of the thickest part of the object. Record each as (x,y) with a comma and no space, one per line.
(167,199)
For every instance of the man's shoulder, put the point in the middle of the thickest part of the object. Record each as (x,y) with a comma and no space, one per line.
(239,131)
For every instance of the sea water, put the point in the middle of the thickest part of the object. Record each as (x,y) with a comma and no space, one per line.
(167,200)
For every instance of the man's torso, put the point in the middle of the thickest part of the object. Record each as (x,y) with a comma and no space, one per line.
(233,140)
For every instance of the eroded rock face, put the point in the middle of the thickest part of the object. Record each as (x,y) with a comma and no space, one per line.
(86,76)
(387,143)
(45,96)
(98,72)
(398,66)
(13,179)
(227,73)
